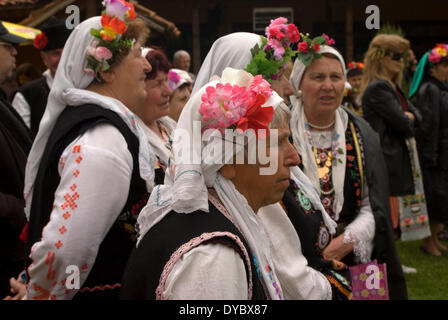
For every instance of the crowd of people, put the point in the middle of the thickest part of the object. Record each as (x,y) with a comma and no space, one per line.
(120,162)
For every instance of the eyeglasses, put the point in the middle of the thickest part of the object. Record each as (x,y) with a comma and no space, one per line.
(396,56)
(8,46)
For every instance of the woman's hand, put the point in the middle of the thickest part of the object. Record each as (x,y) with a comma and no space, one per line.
(18,289)
(410,115)
(337,249)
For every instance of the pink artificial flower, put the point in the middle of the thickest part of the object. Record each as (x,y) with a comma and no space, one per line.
(279,50)
(102,53)
(259,86)
(328,40)
(276,28)
(292,33)
(116,8)
(173,76)
(223,106)
(303,47)
(278,21)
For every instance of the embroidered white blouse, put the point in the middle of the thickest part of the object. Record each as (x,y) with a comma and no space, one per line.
(95,171)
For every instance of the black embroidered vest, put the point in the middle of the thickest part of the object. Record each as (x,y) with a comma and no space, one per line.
(116,247)
(36,94)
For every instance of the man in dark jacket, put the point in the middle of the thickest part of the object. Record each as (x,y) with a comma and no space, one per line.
(15,143)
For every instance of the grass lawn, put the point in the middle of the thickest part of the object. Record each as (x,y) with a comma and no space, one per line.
(431,280)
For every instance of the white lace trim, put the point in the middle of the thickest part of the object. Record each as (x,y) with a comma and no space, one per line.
(361,249)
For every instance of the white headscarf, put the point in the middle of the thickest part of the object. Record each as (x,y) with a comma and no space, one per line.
(68,89)
(184,77)
(300,134)
(232,50)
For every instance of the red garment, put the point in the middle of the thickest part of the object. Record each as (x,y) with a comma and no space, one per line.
(403,100)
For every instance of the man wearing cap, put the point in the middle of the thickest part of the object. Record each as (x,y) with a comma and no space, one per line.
(31,99)
(15,143)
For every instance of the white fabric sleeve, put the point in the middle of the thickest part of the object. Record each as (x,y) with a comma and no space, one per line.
(361,231)
(22,107)
(95,172)
(208,272)
(297,279)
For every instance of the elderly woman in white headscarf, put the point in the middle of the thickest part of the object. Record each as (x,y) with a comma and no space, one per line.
(188,194)
(91,167)
(342,157)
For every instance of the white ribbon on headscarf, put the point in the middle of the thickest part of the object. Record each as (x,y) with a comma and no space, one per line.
(68,89)
(300,135)
(189,190)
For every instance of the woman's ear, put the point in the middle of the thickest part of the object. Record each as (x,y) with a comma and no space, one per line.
(107,76)
(228,171)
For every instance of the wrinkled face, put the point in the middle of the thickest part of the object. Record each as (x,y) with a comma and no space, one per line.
(183,62)
(51,59)
(129,78)
(322,86)
(178,100)
(7,60)
(283,87)
(268,189)
(157,103)
(440,71)
(355,82)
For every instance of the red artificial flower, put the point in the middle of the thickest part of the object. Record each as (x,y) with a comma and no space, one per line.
(316,47)
(352,65)
(40,41)
(303,47)
(293,33)
(256,117)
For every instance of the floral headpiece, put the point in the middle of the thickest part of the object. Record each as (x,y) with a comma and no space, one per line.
(437,53)
(309,48)
(114,21)
(173,79)
(227,106)
(355,65)
(275,51)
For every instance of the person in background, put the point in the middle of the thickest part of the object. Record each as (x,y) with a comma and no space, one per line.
(351,95)
(181,84)
(31,99)
(408,73)
(182,61)
(431,92)
(15,144)
(153,114)
(25,73)
(341,155)
(395,119)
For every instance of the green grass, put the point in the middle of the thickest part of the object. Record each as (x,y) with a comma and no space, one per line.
(431,280)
